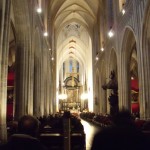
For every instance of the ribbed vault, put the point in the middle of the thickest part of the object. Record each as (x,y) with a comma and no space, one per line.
(73,22)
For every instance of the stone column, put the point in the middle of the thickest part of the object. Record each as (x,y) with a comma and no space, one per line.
(48,84)
(102,95)
(46,80)
(36,104)
(144,84)
(24,62)
(123,83)
(61,76)
(48,87)
(67,68)
(41,81)
(4,50)
(51,88)
(30,78)
(24,79)
(37,53)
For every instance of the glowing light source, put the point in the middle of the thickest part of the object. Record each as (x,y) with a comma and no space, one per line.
(39,10)
(110,33)
(84,96)
(52,58)
(102,49)
(62,96)
(45,34)
(97,58)
(123,11)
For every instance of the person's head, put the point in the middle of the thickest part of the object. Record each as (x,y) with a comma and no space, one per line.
(67,114)
(28,125)
(123,118)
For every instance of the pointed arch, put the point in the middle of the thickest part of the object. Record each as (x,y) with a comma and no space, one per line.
(128,44)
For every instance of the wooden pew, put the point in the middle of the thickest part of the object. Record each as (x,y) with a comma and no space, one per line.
(53,141)
(78,141)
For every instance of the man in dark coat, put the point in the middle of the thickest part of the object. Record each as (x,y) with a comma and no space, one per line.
(25,139)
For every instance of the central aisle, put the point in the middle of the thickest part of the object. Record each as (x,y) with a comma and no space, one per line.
(90,131)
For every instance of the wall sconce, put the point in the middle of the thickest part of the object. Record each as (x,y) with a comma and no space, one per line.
(110,33)
(45,34)
(123,9)
(97,58)
(102,49)
(38,10)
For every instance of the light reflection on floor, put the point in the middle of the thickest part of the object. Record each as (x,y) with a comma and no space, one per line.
(90,131)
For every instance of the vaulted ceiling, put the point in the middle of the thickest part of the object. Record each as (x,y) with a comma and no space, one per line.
(73,22)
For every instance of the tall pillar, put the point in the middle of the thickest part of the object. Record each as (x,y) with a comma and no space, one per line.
(51,89)
(4,50)
(123,83)
(45,78)
(102,96)
(24,62)
(46,59)
(48,84)
(37,54)
(41,80)
(61,75)
(30,79)
(144,84)
(24,77)
(36,104)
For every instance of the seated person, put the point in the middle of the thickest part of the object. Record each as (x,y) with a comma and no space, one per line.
(123,135)
(25,139)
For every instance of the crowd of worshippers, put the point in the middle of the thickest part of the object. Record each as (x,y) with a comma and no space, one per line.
(24,134)
(124,133)
(51,123)
(106,120)
(55,122)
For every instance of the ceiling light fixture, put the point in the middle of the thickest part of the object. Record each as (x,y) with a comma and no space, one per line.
(45,34)
(97,58)
(123,11)
(39,10)
(102,49)
(110,33)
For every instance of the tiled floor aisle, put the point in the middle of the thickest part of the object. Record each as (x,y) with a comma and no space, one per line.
(89,130)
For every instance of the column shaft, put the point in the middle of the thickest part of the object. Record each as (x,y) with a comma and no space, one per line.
(4,50)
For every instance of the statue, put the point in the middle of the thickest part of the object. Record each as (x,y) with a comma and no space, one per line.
(113,98)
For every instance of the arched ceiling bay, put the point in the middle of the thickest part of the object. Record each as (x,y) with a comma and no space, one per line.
(84,11)
(73,20)
(73,48)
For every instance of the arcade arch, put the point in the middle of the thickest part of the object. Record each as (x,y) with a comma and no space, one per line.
(129,66)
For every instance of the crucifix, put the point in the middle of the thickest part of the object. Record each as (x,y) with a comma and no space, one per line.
(73,74)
